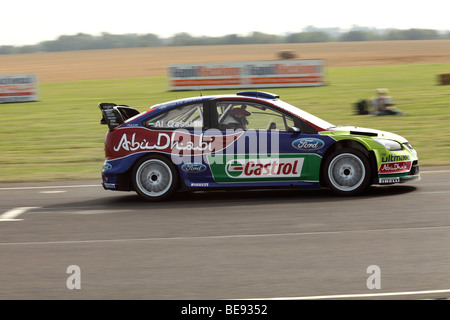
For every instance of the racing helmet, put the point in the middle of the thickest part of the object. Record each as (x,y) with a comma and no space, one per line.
(237,118)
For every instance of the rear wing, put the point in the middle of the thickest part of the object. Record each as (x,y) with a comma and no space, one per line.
(114,115)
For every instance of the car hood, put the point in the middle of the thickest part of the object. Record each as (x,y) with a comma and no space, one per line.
(367,132)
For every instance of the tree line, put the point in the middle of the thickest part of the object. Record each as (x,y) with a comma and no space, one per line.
(82,41)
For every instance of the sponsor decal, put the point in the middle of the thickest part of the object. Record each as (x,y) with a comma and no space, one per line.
(308,144)
(133,144)
(395,167)
(264,168)
(234,168)
(199,184)
(193,167)
(107,166)
(394,158)
(177,124)
(179,142)
(389,180)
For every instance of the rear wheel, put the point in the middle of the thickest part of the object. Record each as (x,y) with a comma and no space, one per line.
(155,178)
(347,172)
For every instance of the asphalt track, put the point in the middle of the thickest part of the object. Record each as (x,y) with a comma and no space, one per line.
(265,244)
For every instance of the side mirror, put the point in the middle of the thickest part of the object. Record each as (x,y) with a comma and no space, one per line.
(293,130)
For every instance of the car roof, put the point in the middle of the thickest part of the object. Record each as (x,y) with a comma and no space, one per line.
(259,95)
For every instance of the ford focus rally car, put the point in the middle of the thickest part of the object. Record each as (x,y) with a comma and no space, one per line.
(250,139)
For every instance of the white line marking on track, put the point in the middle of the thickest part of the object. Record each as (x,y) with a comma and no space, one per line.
(11,215)
(53,187)
(359,295)
(53,191)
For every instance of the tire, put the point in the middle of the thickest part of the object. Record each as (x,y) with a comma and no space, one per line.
(347,172)
(155,178)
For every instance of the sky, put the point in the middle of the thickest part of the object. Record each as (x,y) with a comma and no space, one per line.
(32,21)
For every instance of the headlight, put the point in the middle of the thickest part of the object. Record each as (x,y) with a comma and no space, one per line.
(409,146)
(391,145)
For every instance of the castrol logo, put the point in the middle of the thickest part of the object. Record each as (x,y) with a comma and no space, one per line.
(264,168)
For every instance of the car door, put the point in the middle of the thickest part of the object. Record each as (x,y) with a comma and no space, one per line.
(270,150)
(181,131)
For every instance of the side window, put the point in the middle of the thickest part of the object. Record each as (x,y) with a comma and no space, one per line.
(189,116)
(242,115)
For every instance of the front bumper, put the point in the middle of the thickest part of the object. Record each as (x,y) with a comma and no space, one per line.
(412,175)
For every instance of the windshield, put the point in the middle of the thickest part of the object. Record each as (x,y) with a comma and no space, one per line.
(304,115)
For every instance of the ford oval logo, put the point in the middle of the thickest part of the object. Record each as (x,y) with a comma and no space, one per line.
(307,144)
(107,166)
(193,167)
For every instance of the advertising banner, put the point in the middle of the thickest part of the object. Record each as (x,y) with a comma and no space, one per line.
(18,88)
(252,74)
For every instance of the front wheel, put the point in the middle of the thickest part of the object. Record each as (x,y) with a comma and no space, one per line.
(347,172)
(155,178)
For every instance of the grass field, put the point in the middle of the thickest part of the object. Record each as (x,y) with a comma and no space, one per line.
(60,136)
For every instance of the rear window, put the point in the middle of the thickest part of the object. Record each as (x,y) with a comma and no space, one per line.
(188,116)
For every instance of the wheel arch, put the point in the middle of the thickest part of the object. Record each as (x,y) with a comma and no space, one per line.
(348,143)
(159,154)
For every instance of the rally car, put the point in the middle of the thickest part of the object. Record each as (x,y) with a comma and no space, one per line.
(250,139)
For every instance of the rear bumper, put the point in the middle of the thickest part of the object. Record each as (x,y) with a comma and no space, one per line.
(117,182)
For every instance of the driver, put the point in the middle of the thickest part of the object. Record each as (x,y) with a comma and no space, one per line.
(237,118)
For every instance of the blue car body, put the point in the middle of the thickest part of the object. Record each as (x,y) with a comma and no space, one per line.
(192,144)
